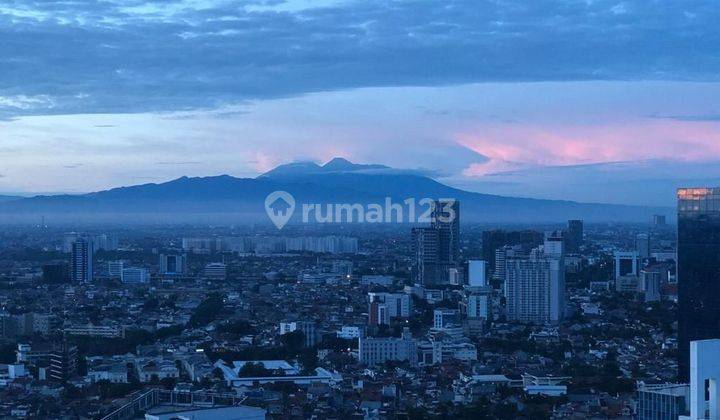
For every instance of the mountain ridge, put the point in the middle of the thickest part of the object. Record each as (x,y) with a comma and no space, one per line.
(338,181)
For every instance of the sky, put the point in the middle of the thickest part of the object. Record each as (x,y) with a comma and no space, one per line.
(593,100)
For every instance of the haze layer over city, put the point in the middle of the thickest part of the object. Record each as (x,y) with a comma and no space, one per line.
(359,209)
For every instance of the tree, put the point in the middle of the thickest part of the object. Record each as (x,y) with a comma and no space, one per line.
(251,369)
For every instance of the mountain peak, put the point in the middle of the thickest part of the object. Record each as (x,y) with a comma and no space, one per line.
(339,164)
(304,168)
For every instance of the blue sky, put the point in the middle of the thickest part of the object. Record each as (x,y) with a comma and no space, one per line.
(614,101)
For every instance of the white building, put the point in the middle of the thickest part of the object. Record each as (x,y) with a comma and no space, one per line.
(373,351)
(399,305)
(535,285)
(90,330)
(704,369)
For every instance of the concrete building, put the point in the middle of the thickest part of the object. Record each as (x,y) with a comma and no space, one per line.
(173,265)
(627,263)
(373,351)
(705,380)
(399,305)
(81,261)
(535,284)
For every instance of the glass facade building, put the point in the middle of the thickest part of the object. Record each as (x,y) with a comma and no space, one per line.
(698,251)
(662,402)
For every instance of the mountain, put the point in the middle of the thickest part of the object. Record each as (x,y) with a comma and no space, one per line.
(226,199)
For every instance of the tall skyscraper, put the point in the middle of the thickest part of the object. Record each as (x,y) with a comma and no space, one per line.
(81,261)
(698,269)
(574,236)
(446,220)
(436,249)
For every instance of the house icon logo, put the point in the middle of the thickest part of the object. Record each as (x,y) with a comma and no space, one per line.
(279,206)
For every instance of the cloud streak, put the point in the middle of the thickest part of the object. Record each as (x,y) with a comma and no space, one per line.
(60,57)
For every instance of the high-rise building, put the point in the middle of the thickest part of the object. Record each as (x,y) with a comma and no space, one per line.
(642,245)
(493,240)
(175,265)
(68,241)
(63,362)
(535,284)
(436,249)
(574,237)
(445,218)
(704,379)
(81,261)
(698,269)
(627,263)
(659,220)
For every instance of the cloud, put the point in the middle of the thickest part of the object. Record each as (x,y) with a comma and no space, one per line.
(179,163)
(83,56)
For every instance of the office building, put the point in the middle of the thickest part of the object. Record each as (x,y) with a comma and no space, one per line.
(478,303)
(477,273)
(444,318)
(216,271)
(662,401)
(104,243)
(135,275)
(63,362)
(399,305)
(308,328)
(175,265)
(115,268)
(698,269)
(659,220)
(627,263)
(436,249)
(650,283)
(68,241)
(373,351)
(574,236)
(642,245)
(81,261)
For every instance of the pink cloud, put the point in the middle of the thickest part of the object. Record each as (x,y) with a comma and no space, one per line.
(510,146)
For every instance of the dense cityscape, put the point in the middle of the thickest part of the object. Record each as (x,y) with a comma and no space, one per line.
(351,321)
(359,209)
